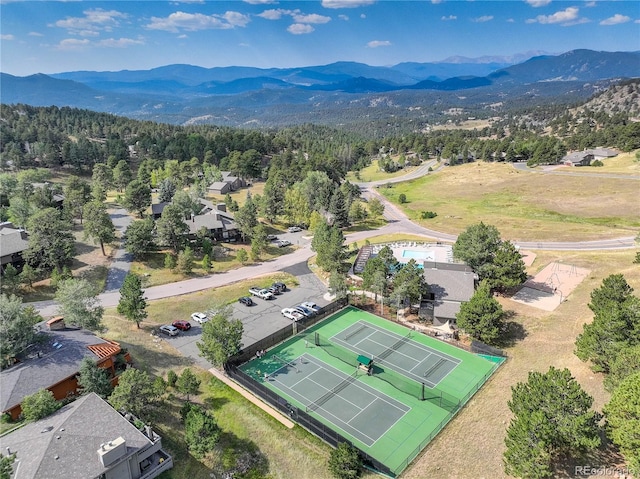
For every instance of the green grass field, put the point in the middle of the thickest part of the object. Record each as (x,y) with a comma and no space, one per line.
(405,438)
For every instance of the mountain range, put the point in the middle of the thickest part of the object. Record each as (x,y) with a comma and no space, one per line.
(240,96)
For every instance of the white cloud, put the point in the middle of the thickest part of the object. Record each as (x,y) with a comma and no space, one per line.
(88,33)
(197,21)
(483,18)
(7,36)
(344,17)
(449,18)
(35,34)
(119,42)
(637,21)
(184,35)
(300,29)
(617,19)
(260,2)
(346,3)
(379,43)
(435,2)
(311,18)
(510,20)
(538,3)
(73,44)
(94,20)
(590,4)
(568,16)
(273,14)
(363,15)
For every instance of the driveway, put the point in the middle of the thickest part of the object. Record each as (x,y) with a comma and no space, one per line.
(261,319)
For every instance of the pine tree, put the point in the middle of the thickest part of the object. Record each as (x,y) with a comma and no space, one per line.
(132,304)
(482,316)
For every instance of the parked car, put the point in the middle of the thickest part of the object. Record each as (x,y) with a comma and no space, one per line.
(170,330)
(282,243)
(261,293)
(294,229)
(312,306)
(271,237)
(292,314)
(182,325)
(281,286)
(306,311)
(199,318)
(273,290)
(246,300)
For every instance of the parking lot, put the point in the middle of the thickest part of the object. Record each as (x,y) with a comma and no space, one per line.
(261,319)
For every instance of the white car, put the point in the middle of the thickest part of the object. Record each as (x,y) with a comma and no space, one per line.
(292,314)
(199,318)
(261,293)
(294,229)
(312,306)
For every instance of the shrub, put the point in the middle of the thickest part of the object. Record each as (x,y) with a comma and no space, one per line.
(402,198)
(39,405)
(345,462)
(172,377)
(169,261)
(597,163)
(428,214)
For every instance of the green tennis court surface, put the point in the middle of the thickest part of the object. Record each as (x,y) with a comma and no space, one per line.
(415,386)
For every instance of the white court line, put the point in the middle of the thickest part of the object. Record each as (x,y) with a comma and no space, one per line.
(339,395)
(421,362)
(369,389)
(361,410)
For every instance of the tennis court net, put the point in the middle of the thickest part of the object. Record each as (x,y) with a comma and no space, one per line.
(337,351)
(332,392)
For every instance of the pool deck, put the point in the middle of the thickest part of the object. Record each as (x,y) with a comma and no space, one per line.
(440,253)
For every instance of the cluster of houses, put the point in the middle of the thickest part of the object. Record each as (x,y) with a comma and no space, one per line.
(86,438)
(586,157)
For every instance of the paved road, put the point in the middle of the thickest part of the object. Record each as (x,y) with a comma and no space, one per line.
(122,260)
(552,171)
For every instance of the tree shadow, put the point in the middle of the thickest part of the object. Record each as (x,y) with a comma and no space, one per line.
(214,403)
(514,332)
(603,461)
(239,458)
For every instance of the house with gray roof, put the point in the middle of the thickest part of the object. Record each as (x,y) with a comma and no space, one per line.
(584,158)
(450,285)
(13,242)
(228,184)
(52,362)
(220,224)
(86,439)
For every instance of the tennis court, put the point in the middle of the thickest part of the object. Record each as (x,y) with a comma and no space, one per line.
(412,359)
(414,384)
(338,397)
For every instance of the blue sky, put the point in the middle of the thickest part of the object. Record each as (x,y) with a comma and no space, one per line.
(52,37)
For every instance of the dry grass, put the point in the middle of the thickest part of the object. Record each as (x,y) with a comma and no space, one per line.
(373,172)
(523,205)
(471,446)
(240,195)
(464,125)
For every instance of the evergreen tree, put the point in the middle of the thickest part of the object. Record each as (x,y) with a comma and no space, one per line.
(28,275)
(122,175)
(94,379)
(623,420)
(138,238)
(477,247)
(101,181)
(482,316)
(51,243)
(16,326)
(137,197)
(376,208)
(615,325)
(345,462)
(507,268)
(625,364)
(138,394)
(98,224)
(188,383)
(171,228)
(247,218)
(185,261)
(551,418)
(77,193)
(132,304)
(10,279)
(206,263)
(166,190)
(201,431)
(338,208)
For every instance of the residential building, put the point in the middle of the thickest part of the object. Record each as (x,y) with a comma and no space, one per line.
(584,158)
(86,439)
(157,209)
(228,184)
(52,362)
(450,285)
(220,224)
(13,242)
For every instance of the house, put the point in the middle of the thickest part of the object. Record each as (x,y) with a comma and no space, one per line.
(52,363)
(57,199)
(584,158)
(13,241)
(228,184)
(157,209)
(219,224)
(219,188)
(578,158)
(450,285)
(86,439)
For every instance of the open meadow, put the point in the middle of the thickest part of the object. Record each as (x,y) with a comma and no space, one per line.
(522,205)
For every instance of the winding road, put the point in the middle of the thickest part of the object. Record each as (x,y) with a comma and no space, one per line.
(398,222)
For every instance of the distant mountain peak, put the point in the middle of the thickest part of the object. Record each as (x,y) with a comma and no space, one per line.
(509,59)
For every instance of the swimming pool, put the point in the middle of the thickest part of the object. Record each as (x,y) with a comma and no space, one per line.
(418,255)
